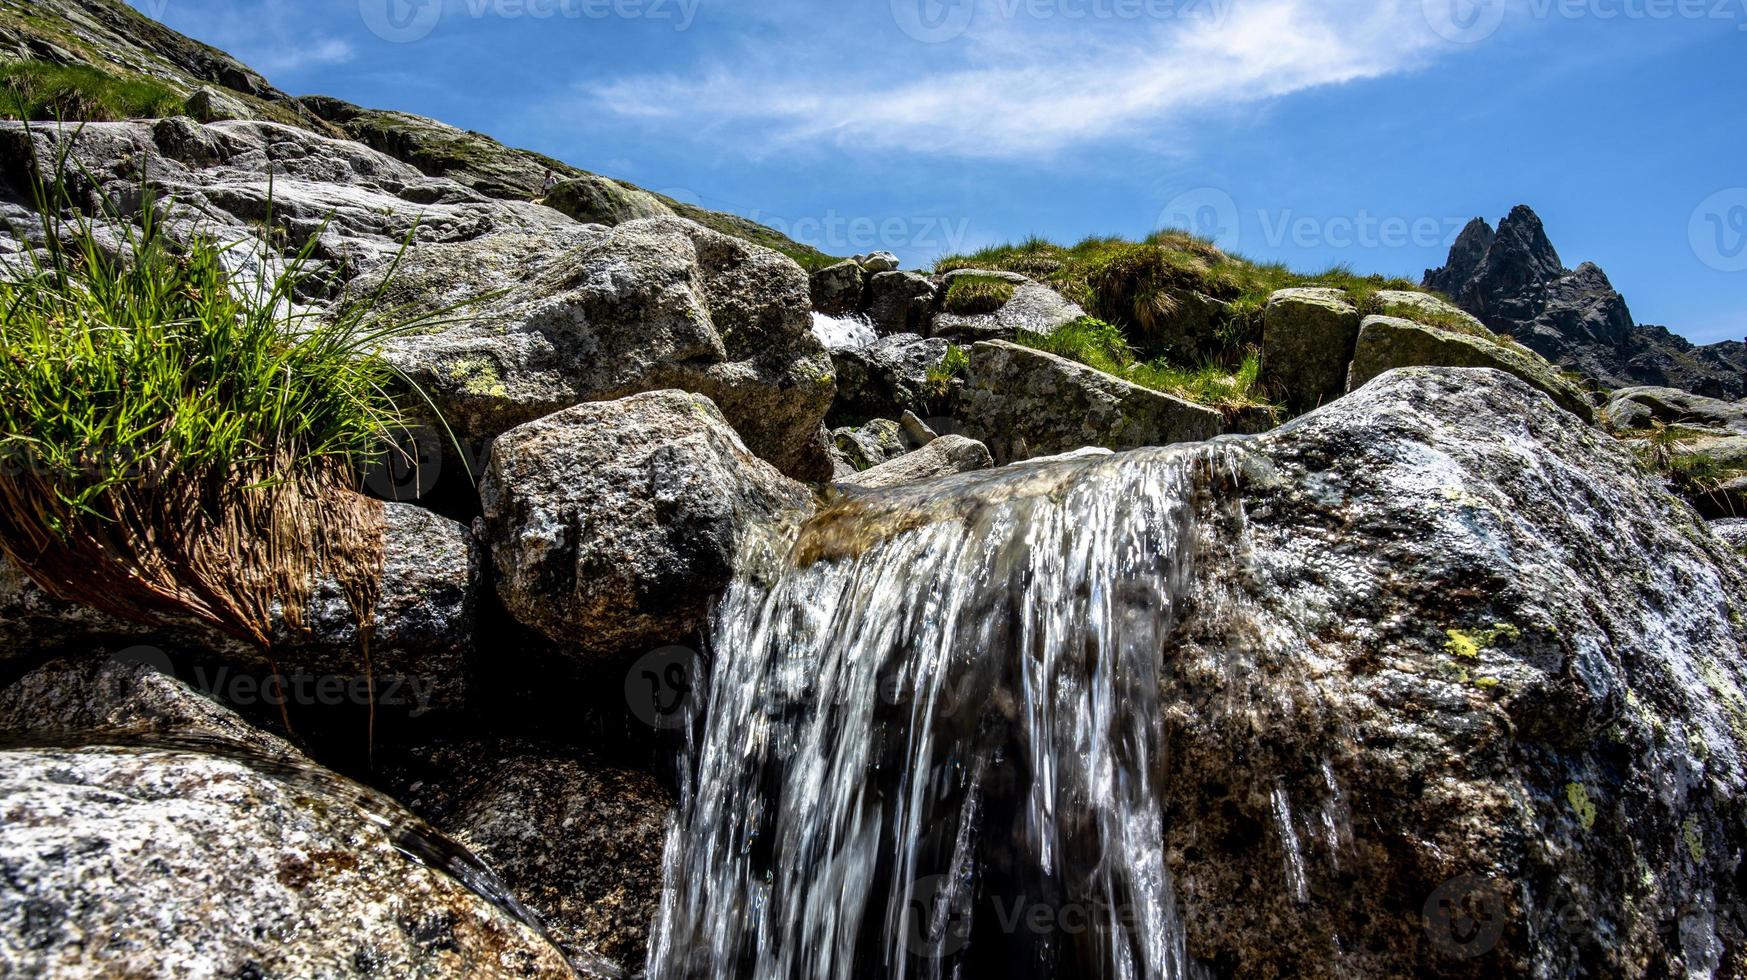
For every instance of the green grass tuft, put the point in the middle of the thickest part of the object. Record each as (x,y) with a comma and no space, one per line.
(1103,346)
(40,91)
(178,442)
(977,295)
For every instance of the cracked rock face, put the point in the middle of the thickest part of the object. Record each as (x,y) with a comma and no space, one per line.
(145,862)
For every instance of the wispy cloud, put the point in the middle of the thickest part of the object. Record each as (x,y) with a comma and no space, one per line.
(1019,82)
(301,56)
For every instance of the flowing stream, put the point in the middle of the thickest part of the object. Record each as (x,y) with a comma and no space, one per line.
(932,746)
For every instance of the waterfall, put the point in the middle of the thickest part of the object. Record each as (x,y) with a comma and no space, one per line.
(933,739)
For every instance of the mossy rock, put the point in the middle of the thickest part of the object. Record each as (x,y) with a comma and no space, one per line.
(1386,343)
(598,200)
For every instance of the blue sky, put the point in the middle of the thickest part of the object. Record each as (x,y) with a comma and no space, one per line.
(1315,132)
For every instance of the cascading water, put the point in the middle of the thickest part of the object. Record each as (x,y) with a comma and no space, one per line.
(933,741)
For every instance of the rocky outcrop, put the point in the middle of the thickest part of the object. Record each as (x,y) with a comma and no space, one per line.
(577,841)
(479,162)
(160,862)
(1032,308)
(900,302)
(1386,343)
(113,37)
(599,201)
(422,642)
(875,443)
(1639,408)
(612,524)
(1307,344)
(839,289)
(598,314)
(886,378)
(944,456)
(224,179)
(1024,403)
(1514,281)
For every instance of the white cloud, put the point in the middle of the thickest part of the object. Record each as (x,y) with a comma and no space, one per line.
(1020,83)
(297,57)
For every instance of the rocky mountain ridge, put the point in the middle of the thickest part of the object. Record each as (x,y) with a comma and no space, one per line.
(113,37)
(1513,279)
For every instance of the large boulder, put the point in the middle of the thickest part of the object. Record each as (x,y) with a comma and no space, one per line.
(651,304)
(1307,344)
(1386,343)
(944,456)
(874,443)
(602,201)
(1426,308)
(421,646)
(612,524)
(1638,408)
(165,862)
(1025,403)
(900,302)
(1524,666)
(1031,308)
(576,840)
(886,378)
(838,289)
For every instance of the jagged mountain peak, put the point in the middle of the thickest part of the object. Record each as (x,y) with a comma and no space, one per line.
(1513,279)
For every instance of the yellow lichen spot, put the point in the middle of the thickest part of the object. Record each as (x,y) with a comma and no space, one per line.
(1578,796)
(478,377)
(1487,682)
(1463,645)
(1695,844)
(1467,646)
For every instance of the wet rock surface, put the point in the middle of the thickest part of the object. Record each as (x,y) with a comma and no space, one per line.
(1499,674)
(577,840)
